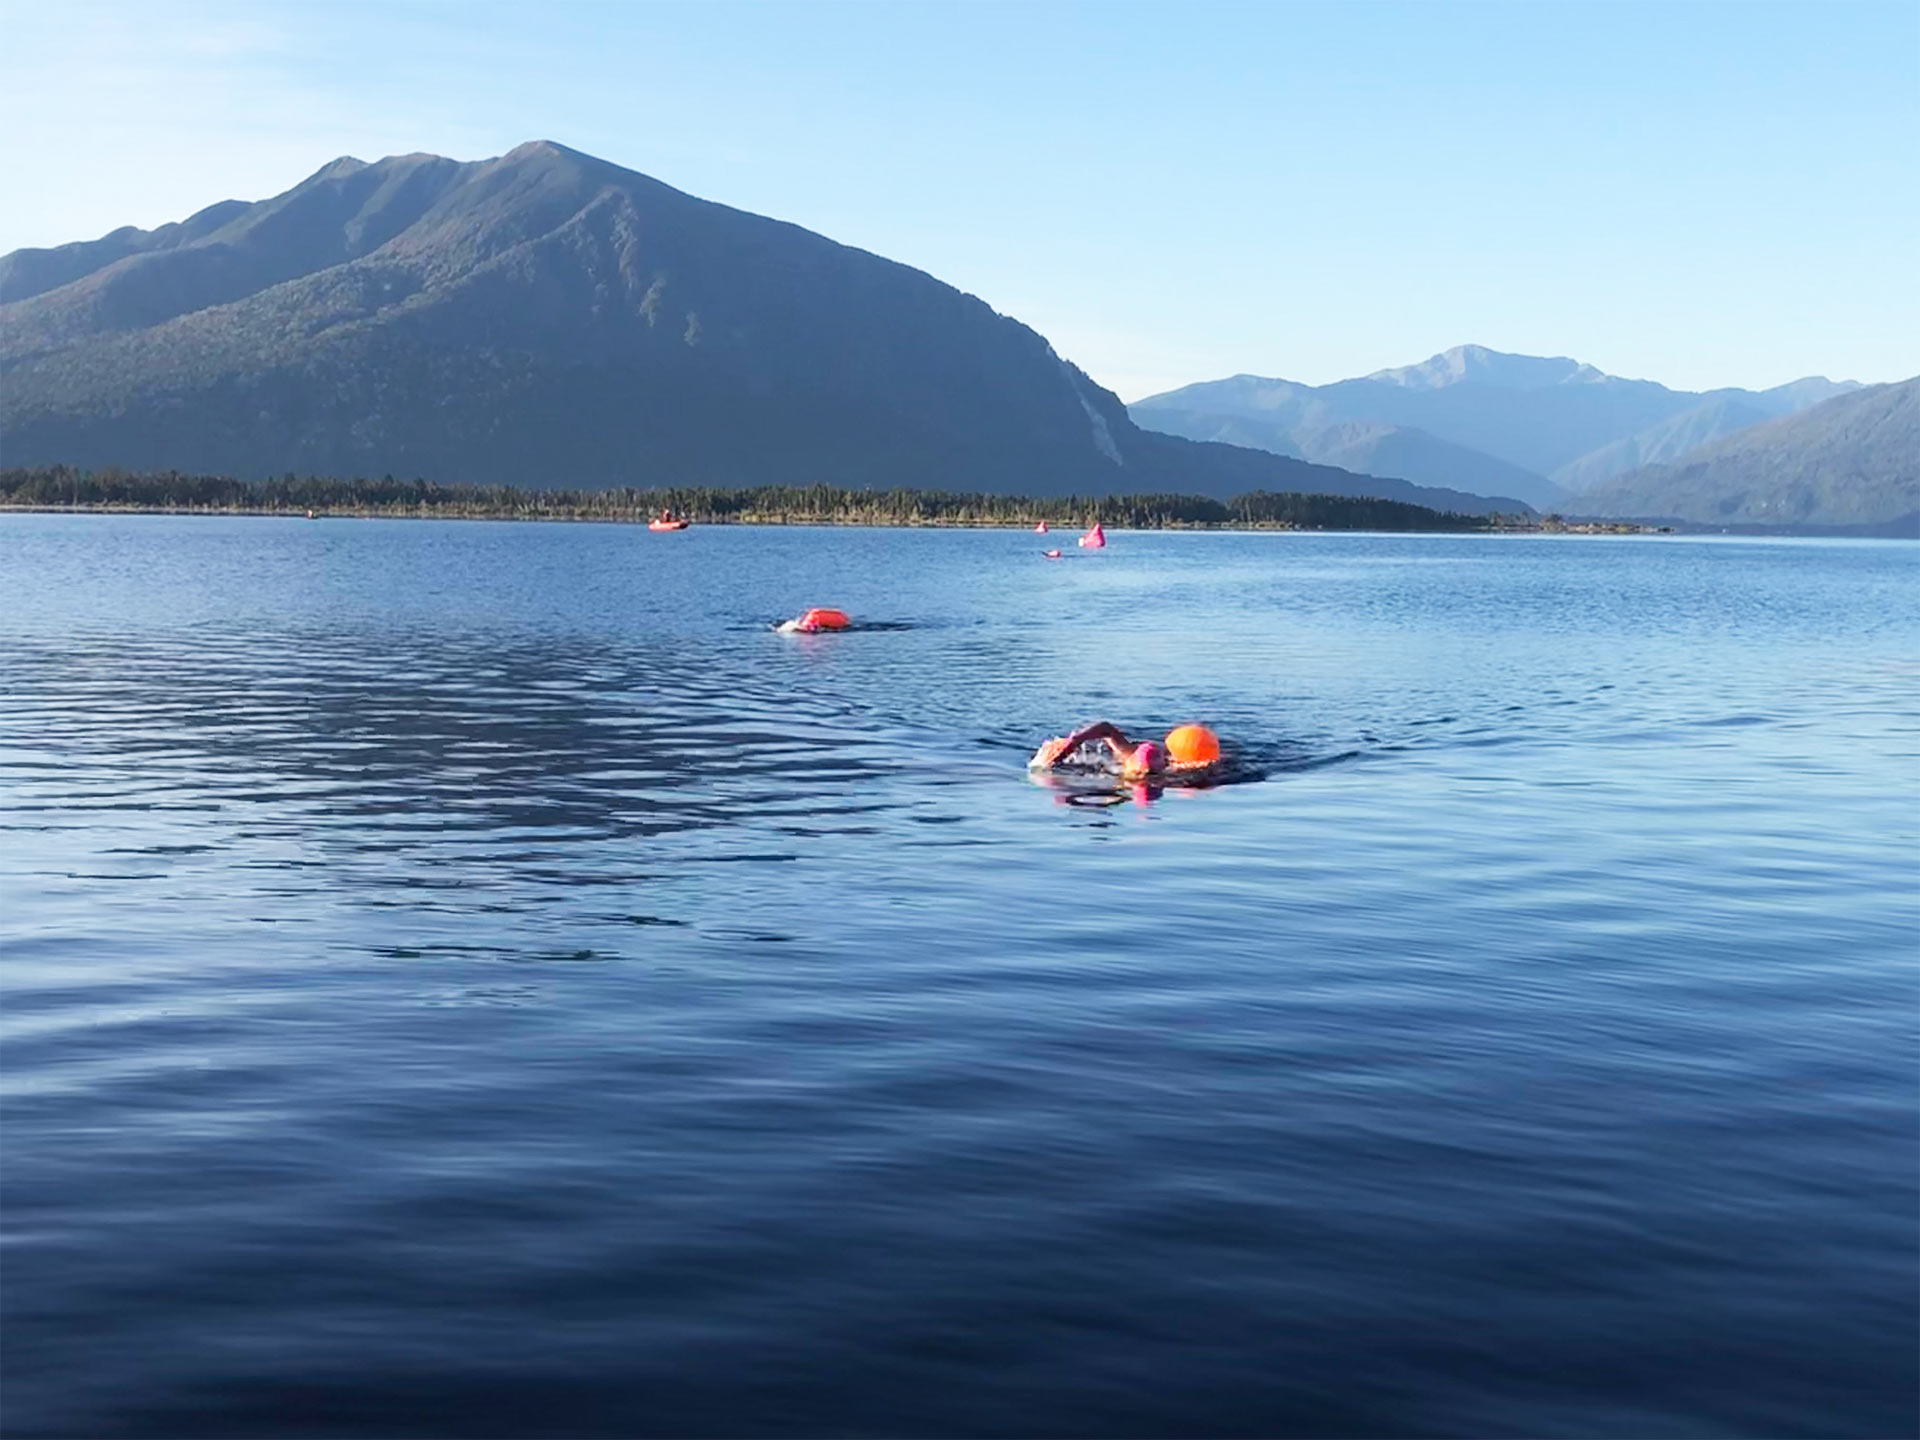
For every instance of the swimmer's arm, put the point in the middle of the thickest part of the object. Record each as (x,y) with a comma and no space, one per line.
(1053,751)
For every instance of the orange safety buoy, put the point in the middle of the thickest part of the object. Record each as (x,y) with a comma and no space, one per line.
(823,618)
(1192,745)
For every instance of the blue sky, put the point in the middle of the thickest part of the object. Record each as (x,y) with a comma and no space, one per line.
(1697,193)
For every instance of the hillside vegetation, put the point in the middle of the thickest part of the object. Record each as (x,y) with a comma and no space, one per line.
(546,313)
(1852,462)
(62,487)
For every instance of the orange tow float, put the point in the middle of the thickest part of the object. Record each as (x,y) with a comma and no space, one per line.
(821,618)
(1191,745)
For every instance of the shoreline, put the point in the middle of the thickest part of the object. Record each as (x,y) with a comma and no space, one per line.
(783,520)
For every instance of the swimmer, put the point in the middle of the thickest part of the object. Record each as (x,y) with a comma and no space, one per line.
(1188,751)
(815,620)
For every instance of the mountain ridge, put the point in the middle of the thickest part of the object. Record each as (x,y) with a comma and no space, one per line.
(1369,446)
(1550,416)
(1477,364)
(1663,441)
(1852,461)
(545,311)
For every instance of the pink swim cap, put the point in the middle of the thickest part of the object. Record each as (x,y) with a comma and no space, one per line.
(1147,758)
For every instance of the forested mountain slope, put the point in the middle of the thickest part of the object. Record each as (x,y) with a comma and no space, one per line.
(548,318)
(1851,462)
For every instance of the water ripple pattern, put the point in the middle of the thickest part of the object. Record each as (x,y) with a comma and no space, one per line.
(480,979)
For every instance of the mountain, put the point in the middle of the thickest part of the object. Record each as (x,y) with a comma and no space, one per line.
(1658,443)
(1795,395)
(32,272)
(1534,413)
(1367,446)
(549,318)
(1477,365)
(1550,417)
(1851,462)
(1720,412)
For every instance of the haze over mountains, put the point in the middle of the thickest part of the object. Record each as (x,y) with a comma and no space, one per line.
(548,318)
(1542,428)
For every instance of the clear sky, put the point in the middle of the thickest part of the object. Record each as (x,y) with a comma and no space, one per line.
(1697,193)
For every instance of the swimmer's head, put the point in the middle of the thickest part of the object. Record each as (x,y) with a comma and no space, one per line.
(1147,759)
(1193,745)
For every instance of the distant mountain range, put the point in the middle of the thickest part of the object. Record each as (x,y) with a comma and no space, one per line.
(1851,463)
(1541,428)
(549,318)
(1372,446)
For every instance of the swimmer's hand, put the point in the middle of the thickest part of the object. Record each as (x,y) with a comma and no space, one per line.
(1048,755)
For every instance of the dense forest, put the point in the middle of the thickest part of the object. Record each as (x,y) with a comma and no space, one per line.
(61,487)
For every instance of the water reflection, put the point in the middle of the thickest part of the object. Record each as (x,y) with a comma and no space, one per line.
(375,743)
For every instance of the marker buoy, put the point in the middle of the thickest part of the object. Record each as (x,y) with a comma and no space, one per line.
(1095,538)
(1041,528)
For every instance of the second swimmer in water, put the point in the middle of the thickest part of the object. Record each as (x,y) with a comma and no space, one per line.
(1189,750)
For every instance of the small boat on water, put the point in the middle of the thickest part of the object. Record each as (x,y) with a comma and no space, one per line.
(1094,539)
(667,520)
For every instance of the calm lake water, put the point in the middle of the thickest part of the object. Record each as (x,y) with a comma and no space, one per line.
(476,979)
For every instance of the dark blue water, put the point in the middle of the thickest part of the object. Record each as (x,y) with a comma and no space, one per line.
(468,979)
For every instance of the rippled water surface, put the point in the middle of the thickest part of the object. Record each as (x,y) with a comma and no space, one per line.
(478,979)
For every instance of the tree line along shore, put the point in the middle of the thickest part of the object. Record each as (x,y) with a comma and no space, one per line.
(64,488)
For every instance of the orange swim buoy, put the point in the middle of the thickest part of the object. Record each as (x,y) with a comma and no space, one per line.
(1192,745)
(823,618)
